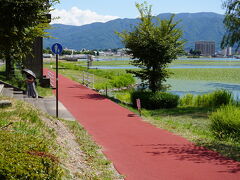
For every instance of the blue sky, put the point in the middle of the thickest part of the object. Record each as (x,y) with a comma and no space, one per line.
(79,12)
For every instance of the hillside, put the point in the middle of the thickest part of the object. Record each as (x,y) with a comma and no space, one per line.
(196,26)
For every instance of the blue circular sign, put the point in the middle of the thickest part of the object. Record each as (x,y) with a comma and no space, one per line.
(57,48)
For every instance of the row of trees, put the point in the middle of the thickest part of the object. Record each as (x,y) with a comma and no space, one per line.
(21,22)
(69,52)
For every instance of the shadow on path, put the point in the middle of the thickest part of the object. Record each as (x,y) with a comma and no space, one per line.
(192,153)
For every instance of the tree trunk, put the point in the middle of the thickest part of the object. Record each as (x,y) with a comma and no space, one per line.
(9,66)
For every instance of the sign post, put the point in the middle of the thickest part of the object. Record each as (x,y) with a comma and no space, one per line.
(139,106)
(57,49)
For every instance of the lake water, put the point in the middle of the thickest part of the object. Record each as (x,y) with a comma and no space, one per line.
(124,58)
(182,87)
(171,67)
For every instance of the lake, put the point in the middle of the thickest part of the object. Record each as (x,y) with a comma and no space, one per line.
(182,87)
(171,67)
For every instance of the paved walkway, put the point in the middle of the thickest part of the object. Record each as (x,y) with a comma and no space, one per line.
(139,150)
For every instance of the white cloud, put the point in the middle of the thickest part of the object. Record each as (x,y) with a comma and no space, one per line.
(78,17)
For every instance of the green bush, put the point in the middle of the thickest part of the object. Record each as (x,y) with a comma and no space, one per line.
(25,157)
(103,85)
(156,100)
(122,80)
(214,99)
(225,122)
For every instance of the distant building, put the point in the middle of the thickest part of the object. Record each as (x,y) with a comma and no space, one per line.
(227,51)
(207,48)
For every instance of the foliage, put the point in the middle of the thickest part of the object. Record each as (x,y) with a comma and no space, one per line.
(153,46)
(123,96)
(21,22)
(225,122)
(195,52)
(111,78)
(26,157)
(213,99)
(47,51)
(124,80)
(150,100)
(231,23)
(26,145)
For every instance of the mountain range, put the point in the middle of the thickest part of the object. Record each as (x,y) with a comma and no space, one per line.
(196,26)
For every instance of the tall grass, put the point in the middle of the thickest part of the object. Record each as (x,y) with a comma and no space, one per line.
(214,99)
(225,122)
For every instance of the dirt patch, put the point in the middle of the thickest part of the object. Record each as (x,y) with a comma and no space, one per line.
(74,157)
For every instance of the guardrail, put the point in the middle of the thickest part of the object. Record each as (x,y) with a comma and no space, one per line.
(87,79)
(52,78)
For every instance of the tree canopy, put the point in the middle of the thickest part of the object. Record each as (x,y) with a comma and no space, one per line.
(232,24)
(153,44)
(20,23)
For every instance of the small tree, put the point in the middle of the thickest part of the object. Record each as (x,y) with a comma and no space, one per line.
(153,45)
(232,23)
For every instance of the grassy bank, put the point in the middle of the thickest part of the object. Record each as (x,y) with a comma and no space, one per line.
(32,148)
(28,148)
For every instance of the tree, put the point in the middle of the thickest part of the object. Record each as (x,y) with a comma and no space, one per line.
(195,52)
(153,45)
(20,23)
(232,24)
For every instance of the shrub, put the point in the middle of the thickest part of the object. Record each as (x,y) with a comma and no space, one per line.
(25,157)
(122,80)
(187,100)
(214,99)
(225,122)
(156,100)
(103,85)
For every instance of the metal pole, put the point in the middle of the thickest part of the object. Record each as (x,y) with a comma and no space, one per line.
(57,85)
(93,81)
(106,90)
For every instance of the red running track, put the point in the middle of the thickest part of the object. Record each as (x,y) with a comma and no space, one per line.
(137,149)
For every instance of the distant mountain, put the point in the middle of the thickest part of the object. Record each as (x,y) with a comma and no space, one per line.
(196,26)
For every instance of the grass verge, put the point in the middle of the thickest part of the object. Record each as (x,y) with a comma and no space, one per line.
(27,146)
